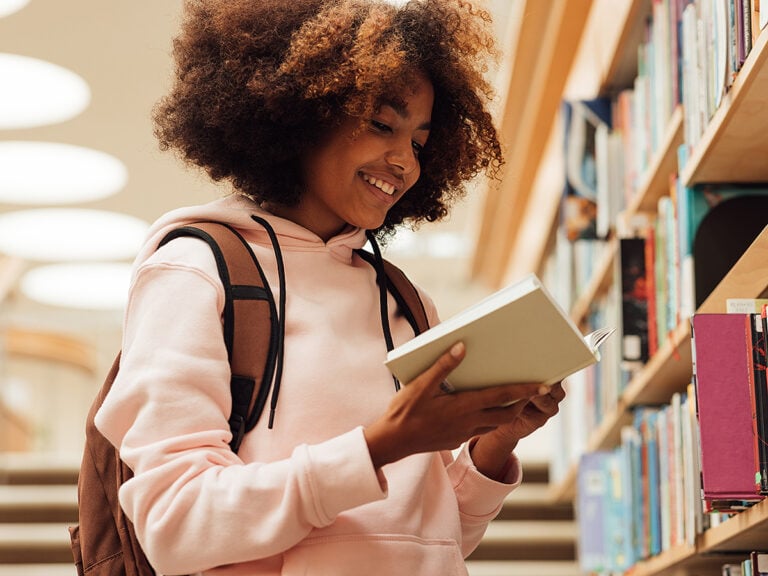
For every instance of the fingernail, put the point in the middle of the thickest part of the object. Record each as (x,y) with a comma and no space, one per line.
(457,350)
(544,389)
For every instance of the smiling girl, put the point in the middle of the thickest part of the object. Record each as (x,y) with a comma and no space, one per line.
(329,118)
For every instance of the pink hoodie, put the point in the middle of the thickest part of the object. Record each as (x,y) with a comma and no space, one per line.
(302,498)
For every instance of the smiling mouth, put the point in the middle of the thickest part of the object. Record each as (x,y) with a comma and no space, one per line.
(385,187)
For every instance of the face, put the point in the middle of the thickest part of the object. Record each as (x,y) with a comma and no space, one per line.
(356,174)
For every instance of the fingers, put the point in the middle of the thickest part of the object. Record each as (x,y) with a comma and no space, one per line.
(503,396)
(443,366)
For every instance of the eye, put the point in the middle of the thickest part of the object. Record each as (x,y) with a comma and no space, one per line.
(380,126)
(417,148)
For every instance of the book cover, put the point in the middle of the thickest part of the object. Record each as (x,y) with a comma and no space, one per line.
(721,372)
(716,223)
(581,121)
(518,334)
(591,511)
(759,561)
(758,325)
(650,288)
(634,300)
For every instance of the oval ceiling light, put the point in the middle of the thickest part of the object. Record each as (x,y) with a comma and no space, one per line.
(60,234)
(91,286)
(8,7)
(38,93)
(52,173)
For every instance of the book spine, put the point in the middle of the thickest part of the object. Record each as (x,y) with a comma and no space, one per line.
(650,288)
(761,398)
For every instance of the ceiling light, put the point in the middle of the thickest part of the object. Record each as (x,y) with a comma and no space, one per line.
(51,173)
(37,93)
(92,286)
(8,7)
(60,234)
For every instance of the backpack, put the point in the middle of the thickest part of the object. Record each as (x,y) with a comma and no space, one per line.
(104,542)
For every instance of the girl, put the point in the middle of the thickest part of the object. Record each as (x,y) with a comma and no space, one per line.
(329,118)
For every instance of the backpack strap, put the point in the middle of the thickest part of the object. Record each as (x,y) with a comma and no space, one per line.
(409,303)
(250,321)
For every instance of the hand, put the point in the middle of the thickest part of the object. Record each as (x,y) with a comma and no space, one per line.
(422,417)
(490,452)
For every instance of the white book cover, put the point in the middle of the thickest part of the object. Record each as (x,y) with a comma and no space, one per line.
(763,11)
(518,334)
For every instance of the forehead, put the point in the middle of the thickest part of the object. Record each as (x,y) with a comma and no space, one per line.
(416,99)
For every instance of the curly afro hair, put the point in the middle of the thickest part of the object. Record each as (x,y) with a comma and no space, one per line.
(257,82)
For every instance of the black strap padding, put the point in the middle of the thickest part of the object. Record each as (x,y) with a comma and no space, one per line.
(243,281)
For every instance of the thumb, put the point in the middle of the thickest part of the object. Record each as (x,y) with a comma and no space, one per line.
(436,374)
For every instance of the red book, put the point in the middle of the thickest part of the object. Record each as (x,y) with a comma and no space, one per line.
(721,369)
(650,290)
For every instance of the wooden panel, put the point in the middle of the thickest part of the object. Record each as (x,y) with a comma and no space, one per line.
(553,51)
(10,270)
(51,346)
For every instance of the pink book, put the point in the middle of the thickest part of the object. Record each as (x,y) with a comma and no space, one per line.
(721,371)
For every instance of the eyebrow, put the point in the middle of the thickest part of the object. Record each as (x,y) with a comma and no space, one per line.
(401,110)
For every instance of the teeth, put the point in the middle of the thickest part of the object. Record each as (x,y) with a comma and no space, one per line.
(380,184)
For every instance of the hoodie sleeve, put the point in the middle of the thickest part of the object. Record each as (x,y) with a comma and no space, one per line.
(194,503)
(479,498)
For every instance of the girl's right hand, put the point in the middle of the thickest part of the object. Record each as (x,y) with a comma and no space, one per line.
(422,417)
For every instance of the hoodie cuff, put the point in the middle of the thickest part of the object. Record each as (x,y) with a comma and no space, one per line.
(340,476)
(478,495)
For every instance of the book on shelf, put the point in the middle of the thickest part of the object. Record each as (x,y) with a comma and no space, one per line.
(591,511)
(582,121)
(517,334)
(755,312)
(759,560)
(715,225)
(721,371)
(760,400)
(634,301)
(763,13)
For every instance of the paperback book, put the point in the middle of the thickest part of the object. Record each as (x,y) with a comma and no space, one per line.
(518,334)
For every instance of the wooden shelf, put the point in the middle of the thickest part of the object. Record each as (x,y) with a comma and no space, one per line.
(622,69)
(600,282)
(731,540)
(655,182)
(669,370)
(733,147)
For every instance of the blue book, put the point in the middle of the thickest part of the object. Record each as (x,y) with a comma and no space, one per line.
(591,511)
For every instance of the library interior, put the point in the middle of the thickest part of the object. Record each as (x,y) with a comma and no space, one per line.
(635,187)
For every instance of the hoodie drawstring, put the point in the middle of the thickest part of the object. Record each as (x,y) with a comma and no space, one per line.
(280,316)
(381,280)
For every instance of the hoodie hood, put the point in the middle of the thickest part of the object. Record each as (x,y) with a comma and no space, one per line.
(236,211)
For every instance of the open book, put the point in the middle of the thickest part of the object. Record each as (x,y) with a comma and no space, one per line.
(518,334)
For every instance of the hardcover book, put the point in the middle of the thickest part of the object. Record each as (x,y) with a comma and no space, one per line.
(518,334)
(634,300)
(721,349)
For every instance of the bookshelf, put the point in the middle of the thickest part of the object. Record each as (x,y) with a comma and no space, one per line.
(726,153)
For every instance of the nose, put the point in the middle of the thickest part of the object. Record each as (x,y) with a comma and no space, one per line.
(403,157)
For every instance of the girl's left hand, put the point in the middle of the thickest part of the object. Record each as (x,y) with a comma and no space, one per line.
(533,415)
(490,452)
